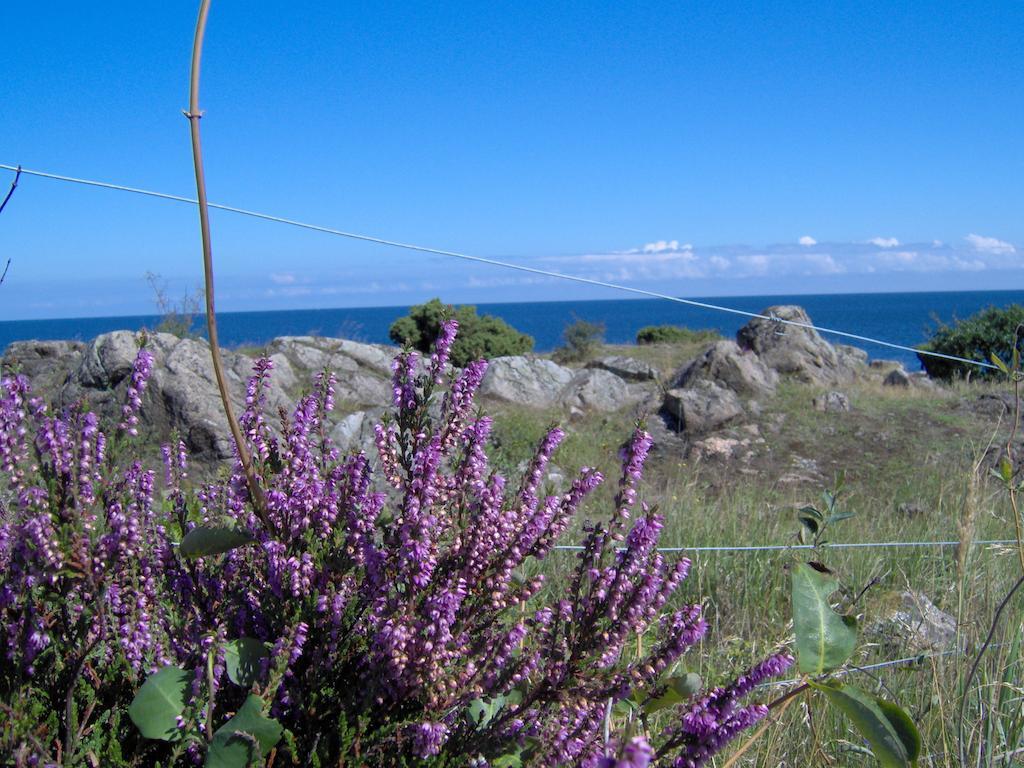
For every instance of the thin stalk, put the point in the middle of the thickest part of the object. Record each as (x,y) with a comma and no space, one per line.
(194,114)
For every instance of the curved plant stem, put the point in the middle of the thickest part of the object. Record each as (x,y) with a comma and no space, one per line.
(194,114)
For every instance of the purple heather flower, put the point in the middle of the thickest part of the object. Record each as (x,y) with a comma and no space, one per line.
(428,738)
(141,370)
(442,348)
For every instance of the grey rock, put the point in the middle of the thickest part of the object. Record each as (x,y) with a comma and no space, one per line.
(796,351)
(46,364)
(852,357)
(525,381)
(897,378)
(362,370)
(725,364)
(355,431)
(717,448)
(917,625)
(885,365)
(627,368)
(701,407)
(596,389)
(832,402)
(181,395)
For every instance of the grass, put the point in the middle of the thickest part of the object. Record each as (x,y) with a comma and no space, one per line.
(895,446)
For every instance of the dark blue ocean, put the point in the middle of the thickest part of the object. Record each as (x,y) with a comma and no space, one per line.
(902,318)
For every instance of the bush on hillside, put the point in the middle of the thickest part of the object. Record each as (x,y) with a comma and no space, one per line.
(582,338)
(991,331)
(480,336)
(672,334)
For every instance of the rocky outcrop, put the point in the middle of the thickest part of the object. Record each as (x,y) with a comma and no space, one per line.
(525,381)
(363,370)
(47,364)
(538,383)
(728,366)
(181,395)
(627,368)
(701,407)
(791,349)
(597,390)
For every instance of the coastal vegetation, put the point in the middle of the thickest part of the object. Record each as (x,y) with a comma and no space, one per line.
(672,334)
(164,601)
(995,331)
(480,336)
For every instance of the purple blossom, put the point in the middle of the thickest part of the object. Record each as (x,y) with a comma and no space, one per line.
(141,371)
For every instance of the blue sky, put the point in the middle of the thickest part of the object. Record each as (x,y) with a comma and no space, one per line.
(695,148)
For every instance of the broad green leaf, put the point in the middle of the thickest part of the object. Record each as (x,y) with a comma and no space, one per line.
(679,688)
(159,702)
(824,639)
(247,735)
(243,659)
(894,746)
(205,540)
(904,727)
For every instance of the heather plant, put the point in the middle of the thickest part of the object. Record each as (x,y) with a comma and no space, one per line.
(386,611)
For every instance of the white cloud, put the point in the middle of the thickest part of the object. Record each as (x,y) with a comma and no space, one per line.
(807,240)
(661,246)
(823,264)
(282,278)
(884,242)
(990,244)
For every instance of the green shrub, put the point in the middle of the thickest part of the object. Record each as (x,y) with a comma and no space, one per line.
(582,338)
(672,334)
(991,331)
(479,335)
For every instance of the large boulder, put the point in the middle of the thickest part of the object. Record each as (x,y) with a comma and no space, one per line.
(355,432)
(791,349)
(628,368)
(525,381)
(596,389)
(725,364)
(47,364)
(363,370)
(181,395)
(702,406)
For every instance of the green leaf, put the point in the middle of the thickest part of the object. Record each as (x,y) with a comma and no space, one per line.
(481,711)
(205,540)
(1005,469)
(509,760)
(904,727)
(244,737)
(159,702)
(678,689)
(887,728)
(998,363)
(243,659)
(824,639)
